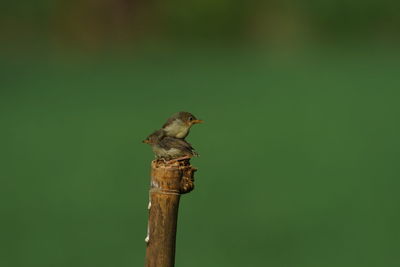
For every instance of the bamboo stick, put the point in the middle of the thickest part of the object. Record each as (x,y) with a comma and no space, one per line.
(168,181)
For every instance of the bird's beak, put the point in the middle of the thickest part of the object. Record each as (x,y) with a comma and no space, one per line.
(197,121)
(145,141)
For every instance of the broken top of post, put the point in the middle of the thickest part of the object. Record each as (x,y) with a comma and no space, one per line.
(175,176)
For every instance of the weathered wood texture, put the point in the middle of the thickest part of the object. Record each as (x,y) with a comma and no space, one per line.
(168,181)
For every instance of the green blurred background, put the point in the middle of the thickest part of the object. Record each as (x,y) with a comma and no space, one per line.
(299,152)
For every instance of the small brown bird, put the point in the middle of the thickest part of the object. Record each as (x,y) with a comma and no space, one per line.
(168,148)
(178,125)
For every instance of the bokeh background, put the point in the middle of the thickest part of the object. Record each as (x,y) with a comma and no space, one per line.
(300,151)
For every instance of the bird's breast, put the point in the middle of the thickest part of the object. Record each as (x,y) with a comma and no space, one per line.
(177,129)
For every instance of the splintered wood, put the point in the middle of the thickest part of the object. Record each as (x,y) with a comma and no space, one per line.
(169,179)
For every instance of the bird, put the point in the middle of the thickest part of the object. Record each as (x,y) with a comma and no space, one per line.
(169,148)
(178,125)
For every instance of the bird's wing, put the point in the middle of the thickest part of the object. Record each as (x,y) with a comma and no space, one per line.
(170,142)
(191,148)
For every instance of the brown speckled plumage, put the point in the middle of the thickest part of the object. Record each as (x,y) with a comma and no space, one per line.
(169,142)
(166,147)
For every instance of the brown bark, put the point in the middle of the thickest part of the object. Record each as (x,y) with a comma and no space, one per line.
(168,181)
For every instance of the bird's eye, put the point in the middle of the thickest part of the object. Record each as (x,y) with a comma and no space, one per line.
(190,118)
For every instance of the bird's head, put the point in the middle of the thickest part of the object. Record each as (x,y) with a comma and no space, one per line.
(187,118)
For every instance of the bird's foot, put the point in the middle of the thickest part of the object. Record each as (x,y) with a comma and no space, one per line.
(178,159)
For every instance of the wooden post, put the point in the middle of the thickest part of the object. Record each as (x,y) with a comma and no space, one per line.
(168,181)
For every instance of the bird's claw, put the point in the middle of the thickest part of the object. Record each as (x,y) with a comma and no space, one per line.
(178,159)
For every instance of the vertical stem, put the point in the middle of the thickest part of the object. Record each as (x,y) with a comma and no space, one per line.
(168,181)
